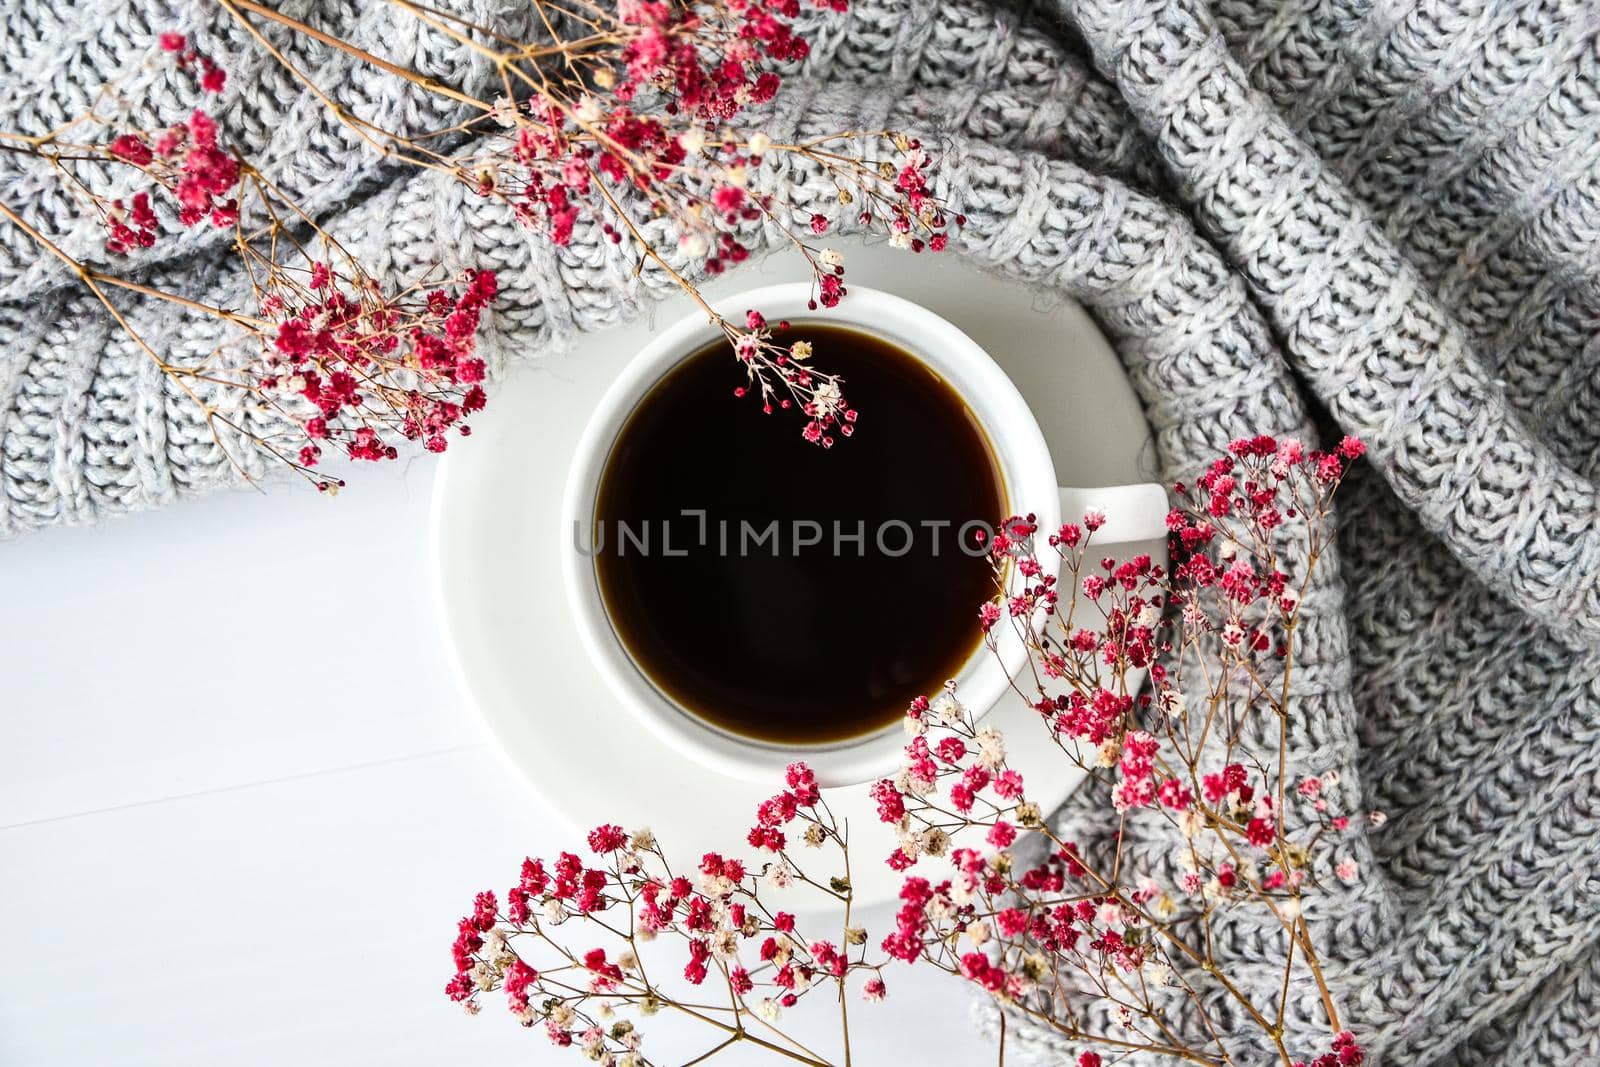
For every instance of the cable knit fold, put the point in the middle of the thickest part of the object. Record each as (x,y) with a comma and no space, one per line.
(1358,320)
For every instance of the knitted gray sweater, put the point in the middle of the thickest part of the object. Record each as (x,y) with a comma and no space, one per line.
(1386,214)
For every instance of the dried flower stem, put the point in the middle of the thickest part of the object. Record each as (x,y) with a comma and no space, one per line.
(329,356)
(1096,950)
(567,136)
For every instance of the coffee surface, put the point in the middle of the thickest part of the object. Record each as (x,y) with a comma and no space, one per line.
(821,589)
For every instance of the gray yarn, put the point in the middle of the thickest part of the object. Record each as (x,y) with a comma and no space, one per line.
(1385,213)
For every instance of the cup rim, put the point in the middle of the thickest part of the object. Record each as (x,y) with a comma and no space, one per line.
(1015,440)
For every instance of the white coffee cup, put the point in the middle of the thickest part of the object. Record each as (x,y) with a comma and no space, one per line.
(1133,513)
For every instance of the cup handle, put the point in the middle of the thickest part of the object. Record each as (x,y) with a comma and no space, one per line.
(1134,514)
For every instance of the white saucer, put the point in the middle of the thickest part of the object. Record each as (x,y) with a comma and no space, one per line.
(496,539)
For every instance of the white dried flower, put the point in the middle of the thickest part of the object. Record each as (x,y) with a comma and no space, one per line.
(695,245)
(963,889)
(504,112)
(947,710)
(991,747)
(715,884)
(780,875)
(827,398)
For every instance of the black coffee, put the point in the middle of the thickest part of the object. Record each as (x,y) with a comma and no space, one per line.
(822,589)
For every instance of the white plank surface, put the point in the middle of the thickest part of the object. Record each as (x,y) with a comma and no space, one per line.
(241,805)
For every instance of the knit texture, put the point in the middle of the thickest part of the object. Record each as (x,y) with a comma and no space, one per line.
(1323,215)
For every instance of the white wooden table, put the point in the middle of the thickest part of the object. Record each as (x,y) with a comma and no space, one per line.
(242,806)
